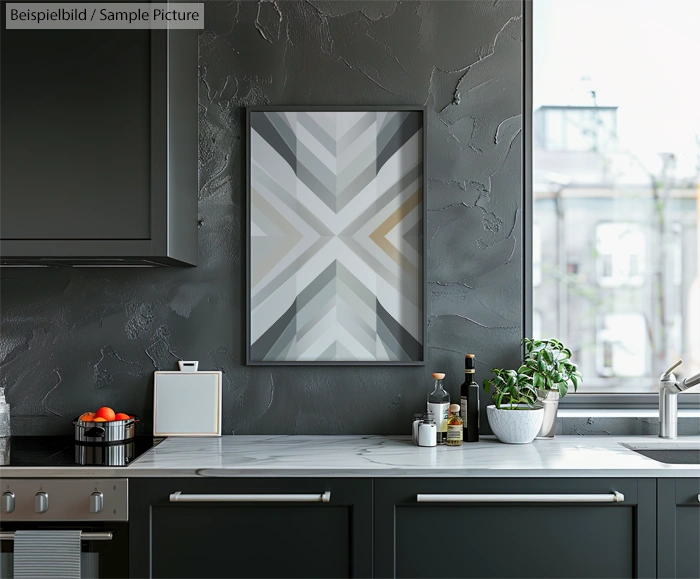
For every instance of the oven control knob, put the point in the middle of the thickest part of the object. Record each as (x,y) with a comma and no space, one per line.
(97,502)
(41,502)
(8,502)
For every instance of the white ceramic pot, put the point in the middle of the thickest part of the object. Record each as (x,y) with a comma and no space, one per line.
(515,426)
(550,402)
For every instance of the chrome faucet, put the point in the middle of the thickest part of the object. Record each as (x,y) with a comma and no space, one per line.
(669,388)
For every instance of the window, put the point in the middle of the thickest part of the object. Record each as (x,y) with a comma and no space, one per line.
(621,345)
(620,254)
(536,256)
(571,128)
(616,187)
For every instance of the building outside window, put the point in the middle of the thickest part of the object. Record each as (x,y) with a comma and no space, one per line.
(620,254)
(616,188)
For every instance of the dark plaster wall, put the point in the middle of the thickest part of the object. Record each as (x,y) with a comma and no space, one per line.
(75,339)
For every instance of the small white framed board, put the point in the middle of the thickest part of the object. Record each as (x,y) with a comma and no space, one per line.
(187,402)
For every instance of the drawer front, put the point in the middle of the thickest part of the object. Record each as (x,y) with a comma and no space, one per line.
(679,528)
(555,528)
(251,528)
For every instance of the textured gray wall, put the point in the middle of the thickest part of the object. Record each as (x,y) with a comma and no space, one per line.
(73,340)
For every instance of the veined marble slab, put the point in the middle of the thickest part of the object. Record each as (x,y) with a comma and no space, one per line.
(384,456)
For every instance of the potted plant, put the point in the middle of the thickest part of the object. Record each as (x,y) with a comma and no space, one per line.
(549,365)
(516,415)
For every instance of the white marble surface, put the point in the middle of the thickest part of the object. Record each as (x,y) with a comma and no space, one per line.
(387,456)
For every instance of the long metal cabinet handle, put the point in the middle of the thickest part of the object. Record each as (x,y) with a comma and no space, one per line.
(178,497)
(613,497)
(89,536)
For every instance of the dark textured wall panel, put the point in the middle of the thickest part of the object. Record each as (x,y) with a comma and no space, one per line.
(75,339)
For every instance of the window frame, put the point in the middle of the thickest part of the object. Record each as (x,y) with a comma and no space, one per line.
(581,400)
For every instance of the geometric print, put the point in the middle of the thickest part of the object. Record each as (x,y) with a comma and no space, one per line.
(336,236)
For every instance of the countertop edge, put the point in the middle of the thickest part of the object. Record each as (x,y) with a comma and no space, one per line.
(72,472)
(372,456)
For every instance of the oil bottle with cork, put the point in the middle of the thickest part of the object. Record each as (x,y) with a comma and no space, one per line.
(439,405)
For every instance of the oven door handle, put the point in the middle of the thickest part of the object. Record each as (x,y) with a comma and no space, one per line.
(84,536)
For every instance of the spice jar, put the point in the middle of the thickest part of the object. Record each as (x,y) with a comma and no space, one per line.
(455,430)
(427,432)
(417,420)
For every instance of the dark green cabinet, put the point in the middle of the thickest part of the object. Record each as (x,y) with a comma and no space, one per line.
(679,528)
(414,527)
(532,528)
(237,527)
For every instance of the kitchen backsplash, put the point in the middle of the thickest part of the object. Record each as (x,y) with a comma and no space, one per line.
(75,339)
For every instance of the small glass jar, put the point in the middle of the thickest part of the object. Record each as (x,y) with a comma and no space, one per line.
(455,427)
(427,432)
(417,419)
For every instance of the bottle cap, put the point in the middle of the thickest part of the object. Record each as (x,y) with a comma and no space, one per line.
(469,364)
(438,375)
(454,408)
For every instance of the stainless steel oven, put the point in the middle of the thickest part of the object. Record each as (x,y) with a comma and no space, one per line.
(98,508)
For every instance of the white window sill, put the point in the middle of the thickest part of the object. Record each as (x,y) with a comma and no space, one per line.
(622,413)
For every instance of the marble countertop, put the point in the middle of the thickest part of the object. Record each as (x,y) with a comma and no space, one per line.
(386,456)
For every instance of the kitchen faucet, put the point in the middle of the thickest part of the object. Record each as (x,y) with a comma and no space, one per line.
(669,388)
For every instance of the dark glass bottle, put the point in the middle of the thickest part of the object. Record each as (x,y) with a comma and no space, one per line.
(469,400)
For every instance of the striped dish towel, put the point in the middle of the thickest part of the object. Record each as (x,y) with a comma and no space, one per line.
(44,554)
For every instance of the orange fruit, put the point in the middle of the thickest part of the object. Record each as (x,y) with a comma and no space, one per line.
(121,416)
(105,412)
(86,417)
(99,419)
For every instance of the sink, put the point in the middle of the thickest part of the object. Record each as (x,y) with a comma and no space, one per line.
(668,452)
(672,455)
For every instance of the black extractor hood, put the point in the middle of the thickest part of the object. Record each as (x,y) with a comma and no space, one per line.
(98,147)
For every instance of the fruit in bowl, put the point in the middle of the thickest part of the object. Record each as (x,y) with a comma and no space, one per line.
(104,414)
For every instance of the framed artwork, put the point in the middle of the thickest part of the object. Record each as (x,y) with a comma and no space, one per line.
(335,233)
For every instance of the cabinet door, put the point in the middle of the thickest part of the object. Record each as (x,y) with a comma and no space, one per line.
(532,528)
(99,155)
(217,529)
(679,528)
(76,119)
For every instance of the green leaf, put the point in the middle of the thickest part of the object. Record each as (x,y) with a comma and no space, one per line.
(538,381)
(547,355)
(574,381)
(563,389)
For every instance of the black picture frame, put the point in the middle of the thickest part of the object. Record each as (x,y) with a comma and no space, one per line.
(424,284)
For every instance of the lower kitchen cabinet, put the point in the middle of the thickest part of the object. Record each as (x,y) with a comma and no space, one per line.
(544,528)
(679,528)
(238,527)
